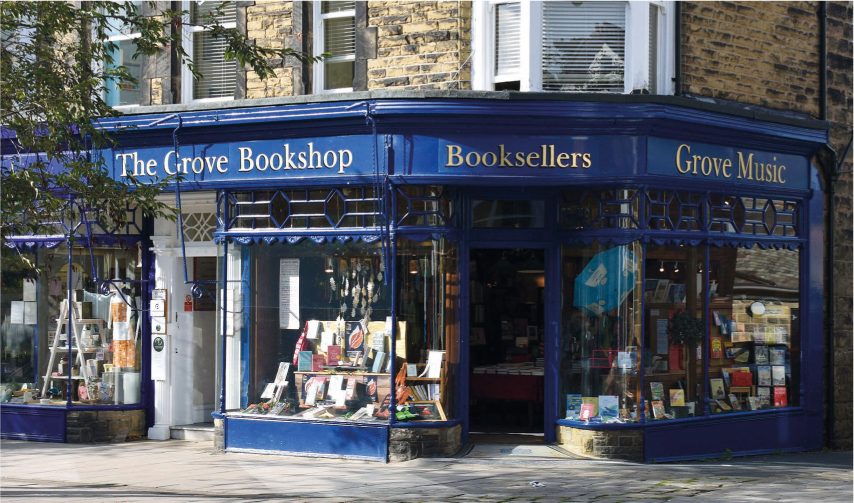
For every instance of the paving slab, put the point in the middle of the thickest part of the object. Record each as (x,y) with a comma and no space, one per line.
(184,471)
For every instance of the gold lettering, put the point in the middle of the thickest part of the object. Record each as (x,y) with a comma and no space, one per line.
(679,162)
(726,166)
(574,163)
(535,156)
(745,170)
(454,157)
(562,157)
(587,161)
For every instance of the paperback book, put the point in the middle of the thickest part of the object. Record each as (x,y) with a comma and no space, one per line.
(717,347)
(608,407)
(317,361)
(733,399)
(586,412)
(717,385)
(778,375)
(764,375)
(677,397)
(304,364)
(333,355)
(573,406)
(778,356)
(764,394)
(761,355)
(780,396)
(657,390)
(658,409)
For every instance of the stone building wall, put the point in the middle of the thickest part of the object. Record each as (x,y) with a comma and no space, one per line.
(420,45)
(769,54)
(762,53)
(839,112)
(97,426)
(271,24)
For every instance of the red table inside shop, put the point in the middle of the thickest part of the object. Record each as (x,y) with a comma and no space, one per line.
(507,387)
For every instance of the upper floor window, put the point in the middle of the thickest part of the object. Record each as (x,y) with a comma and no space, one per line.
(335,35)
(121,50)
(608,47)
(218,77)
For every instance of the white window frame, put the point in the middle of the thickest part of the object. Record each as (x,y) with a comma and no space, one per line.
(187,79)
(99,66)
(531,33)
(319,73)
(121,38)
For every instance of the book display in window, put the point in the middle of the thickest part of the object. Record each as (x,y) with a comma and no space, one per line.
(329,383)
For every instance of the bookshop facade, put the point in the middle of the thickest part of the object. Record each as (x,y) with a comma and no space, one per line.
(630,278)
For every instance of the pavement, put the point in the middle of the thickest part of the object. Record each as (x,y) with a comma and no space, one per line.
(183,471)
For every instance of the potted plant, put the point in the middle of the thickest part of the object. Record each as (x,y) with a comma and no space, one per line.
(687,332)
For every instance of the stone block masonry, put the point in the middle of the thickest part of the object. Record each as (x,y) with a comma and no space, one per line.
(608,444)
(410,443)
(100,426)
(421,45)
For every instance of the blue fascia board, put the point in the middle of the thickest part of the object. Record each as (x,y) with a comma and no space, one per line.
(667,118)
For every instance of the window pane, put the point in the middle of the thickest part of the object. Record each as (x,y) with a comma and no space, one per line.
(330,7)
(218,76)
(102,356)
(673,364)
(755,335)
(339,75)
(308,356)
(601,335)
(19,296)
(201,12)
(584,46)
(507,43)
(428,283)
(508,214)
(124,93)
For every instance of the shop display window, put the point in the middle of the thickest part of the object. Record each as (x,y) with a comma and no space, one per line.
(672,356)
(316,341)
(427,354)
(601,334)
(754,334)
(97,344)
(18,359)
(318,331)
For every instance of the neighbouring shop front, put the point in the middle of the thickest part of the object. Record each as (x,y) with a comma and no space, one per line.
(631,278)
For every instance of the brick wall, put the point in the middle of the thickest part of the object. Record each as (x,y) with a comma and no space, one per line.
(420,45)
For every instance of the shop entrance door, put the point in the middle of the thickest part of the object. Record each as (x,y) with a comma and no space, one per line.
(507,327)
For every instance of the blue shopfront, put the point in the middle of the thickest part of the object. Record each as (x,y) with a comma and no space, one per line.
(630,278)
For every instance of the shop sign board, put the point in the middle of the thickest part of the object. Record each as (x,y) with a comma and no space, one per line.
(742,166)
(263,160)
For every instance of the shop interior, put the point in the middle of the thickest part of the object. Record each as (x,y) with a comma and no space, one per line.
(506,340)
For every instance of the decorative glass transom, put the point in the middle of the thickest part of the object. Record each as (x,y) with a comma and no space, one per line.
(199,227)
(600,209)
(348,207)
(669,210)
(426,205)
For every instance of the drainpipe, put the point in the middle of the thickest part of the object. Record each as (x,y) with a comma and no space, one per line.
(678,54)
(831,177)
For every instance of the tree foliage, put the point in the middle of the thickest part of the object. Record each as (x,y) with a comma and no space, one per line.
(56,61)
